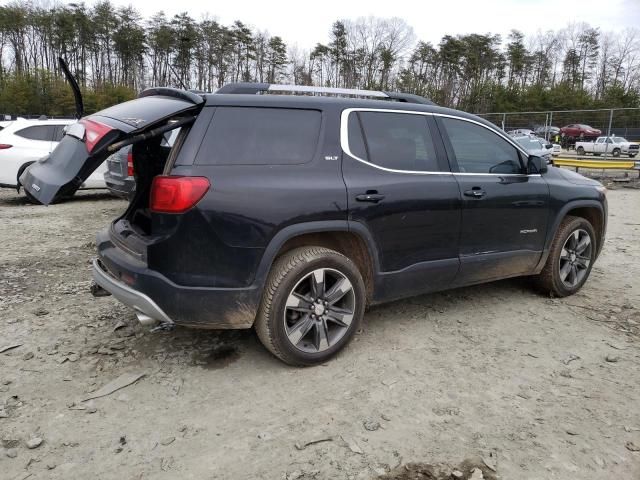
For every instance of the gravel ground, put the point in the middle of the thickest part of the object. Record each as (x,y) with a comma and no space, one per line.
(492,377)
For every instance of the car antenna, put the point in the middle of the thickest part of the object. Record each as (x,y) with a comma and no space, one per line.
(74,87)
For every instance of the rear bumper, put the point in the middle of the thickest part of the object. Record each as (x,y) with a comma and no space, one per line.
(127,295)
(121,188)
(131,281)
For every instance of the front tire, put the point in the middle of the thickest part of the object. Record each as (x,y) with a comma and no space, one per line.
(571,258)
(312,305)
(616,152)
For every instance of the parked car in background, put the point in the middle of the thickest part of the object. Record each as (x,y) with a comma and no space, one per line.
(521,131)
(547,131)
(291,214)
(535,146)
(579,130)
(24,142)
(614,146)
(119,176)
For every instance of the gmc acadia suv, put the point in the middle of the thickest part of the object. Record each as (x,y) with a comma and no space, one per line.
(292,213)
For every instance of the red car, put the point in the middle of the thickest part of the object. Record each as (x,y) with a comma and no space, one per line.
(577,130)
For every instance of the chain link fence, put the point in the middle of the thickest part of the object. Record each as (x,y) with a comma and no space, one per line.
(621,122)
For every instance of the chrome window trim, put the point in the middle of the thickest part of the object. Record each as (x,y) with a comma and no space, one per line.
(344,142)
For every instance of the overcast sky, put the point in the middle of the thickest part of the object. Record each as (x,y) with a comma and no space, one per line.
(306,22)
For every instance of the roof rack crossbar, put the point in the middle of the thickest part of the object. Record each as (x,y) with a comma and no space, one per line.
(262,88)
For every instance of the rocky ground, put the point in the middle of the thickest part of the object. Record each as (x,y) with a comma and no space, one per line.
(493,381)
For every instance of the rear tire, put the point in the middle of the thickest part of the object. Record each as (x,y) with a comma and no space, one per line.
(580,151)
(571,258)
(616,152)
(312,305)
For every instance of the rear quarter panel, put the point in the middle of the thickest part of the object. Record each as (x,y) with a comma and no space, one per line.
(221,242)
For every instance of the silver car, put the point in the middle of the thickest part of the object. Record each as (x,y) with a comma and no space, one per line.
(119,176)
(536,146)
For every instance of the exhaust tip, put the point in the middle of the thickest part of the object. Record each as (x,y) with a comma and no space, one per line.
(146,320)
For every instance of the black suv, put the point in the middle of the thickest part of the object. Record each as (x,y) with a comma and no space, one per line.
(292,213)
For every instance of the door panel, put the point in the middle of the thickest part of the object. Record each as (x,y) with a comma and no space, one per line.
(502,232)
(413,216)
(504,211)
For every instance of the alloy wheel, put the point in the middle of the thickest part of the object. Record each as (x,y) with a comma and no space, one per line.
(575,258)
(319,310)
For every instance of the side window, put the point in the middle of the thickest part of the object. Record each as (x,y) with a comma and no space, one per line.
(59,133)
(398,141)
(356,140)
(479,150)
(260,136)
(38,132)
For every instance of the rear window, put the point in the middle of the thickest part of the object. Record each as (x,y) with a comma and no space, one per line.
(260,136)
(398,141)
(39,132)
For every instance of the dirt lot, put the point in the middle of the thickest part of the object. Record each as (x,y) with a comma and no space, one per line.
(532,386)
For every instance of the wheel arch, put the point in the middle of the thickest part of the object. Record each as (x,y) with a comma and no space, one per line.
(352,241)
(21,170)
(591,210)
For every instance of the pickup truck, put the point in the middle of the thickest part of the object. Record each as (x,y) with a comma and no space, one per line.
(615,146)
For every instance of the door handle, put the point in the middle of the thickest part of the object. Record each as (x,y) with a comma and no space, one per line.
(475,192)
(371,196)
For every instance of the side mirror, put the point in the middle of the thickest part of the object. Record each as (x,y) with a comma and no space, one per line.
(536,164)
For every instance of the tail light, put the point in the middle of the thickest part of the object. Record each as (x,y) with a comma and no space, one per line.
(175,194)
(93,132)
(4,146)
(130,164)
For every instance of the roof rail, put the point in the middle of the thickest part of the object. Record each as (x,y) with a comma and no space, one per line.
(267,88)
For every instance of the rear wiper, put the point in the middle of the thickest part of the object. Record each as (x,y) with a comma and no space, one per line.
(150,134)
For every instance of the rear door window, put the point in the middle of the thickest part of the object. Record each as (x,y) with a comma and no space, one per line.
(260,136)
(398,141)
(38,132)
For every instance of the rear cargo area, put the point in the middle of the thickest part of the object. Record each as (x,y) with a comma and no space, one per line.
(133,230)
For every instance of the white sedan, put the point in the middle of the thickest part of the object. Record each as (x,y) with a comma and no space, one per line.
(23,142)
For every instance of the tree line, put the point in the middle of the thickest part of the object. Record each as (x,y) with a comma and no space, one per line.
(114,53)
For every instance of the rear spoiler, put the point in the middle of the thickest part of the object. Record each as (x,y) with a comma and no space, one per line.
(186,95)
